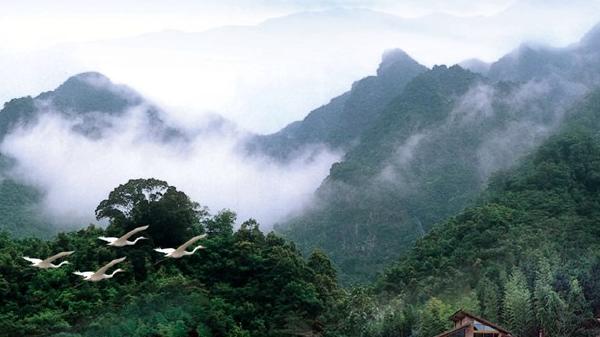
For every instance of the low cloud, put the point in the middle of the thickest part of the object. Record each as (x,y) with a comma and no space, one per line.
(397,172)
(532,112)
(76,172)
(506,120)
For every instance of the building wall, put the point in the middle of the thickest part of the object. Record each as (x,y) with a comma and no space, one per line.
(470,330)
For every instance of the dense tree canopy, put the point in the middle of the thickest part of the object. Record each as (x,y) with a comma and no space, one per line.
(530,243)
(245,283)
(170,213)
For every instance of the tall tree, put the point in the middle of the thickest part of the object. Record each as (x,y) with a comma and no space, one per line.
(549,310)
(487,294)
(548,305)
(591,286)
(172,216)
(578,311)
(517,304)
(434,318)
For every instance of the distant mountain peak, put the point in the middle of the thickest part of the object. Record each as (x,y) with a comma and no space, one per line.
(91,91)
(592,38)
(91,78)
(393,58)
(89,75)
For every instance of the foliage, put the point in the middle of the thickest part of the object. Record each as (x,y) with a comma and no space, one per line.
(245,283)
(171,215)
(434,319)
(373,206)
(518,227)
(517,304)
(487,294)
(19,204)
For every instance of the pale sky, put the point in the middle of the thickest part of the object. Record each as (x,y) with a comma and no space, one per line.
(260,76)
(34,24)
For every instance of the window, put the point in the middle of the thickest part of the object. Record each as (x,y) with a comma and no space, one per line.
(483,328)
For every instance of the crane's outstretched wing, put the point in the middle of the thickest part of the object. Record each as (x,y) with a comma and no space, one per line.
(107,239)
(135,230)
(58,256)
(190,241)
(32,260)
(108,265)
(164,250)
(84,273)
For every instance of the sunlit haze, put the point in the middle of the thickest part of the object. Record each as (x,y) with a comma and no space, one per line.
(261,75)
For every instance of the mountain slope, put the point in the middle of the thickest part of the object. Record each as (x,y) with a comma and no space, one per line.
(544,209)
(362,219)
(572,63)
(432,149)
(94,105)
(90,99)
(339,124)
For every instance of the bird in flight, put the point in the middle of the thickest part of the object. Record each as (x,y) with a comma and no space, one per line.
(181,250)
(122,241)
(47,263)
(100,274)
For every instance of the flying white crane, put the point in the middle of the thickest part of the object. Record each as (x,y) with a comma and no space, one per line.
(122,241)
(100,274)
(180,251)
(47,263)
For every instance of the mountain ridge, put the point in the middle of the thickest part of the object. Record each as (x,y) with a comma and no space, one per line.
(519,102)
(339,123)
(93,104)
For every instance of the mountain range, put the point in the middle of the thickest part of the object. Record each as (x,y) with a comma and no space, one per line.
(419,191)
(430,150)
(419,144)
(265,75)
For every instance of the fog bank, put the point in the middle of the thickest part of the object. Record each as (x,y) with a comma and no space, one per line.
(76,172)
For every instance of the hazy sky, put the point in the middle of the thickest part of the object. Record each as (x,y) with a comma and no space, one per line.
(261,75)
(38,23)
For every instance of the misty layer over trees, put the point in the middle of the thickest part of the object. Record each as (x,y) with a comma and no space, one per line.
(111,133)
(435,189)
(429,152)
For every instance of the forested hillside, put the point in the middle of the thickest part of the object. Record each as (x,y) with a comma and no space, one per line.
(19,213)
(432,149)
(244,283)
(526,256)
(572,63)
(530,244)
(427,156)
(456,190)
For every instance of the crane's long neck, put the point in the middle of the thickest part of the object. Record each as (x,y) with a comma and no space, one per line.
(58,265)
(193,250)
(136,240)
(113,273)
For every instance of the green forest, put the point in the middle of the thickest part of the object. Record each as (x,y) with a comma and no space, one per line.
(456,190)
(526,255)
(245,283)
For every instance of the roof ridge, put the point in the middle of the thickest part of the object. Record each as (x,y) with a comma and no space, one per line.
(482,320)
